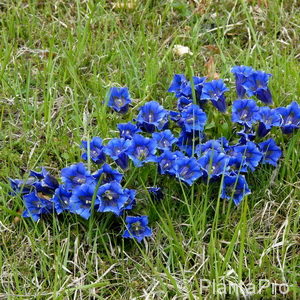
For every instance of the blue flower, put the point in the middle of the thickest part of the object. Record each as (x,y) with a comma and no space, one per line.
(107,174)
(142,150)
(75,175)
(46,183)
(290,116)
(155,193)
(152,116)
(128,130)
(271,152)
(251,154)
(198,85)
(166,161)
(96,150)
(36,206)
(257,85)
(130,203)
(82,199)
(61,199)
(235,187)
(241,73)
(247,134)
(237,164)
(193,118)
(112,198)
(165,139)
(137,228)
(116,149)
(245,112)
(187,170)
(214,163)
(214,91)
(187,141)
(22,187)
(180,86)
(202,149)
(174,115)
(119,99)
(268,118)
(183,103)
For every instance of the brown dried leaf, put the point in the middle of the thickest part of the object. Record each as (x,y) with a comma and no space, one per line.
(211,69)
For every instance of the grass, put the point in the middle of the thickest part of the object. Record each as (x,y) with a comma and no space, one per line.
(57,61)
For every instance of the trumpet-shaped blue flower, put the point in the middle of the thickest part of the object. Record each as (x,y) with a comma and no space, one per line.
(183,103)
(142,150)
(166,161)
(96,150)
(152,116)
(193,118)
(241,73)
(61,199)
(174,115)
(127,130)
(237,164)
(214,164)
(107,174)
(198,85)
(271,152)
(202,149)
(36,205)
(116,149)
(251,154)
(137,228)
(180,86)
(268,118)
(247,134)
(130,203)
(164,139)
(257,85)
(119,99)
(82,199)
(112,198)
(214,91)
(187,141)
(245,112)
(235,187)
(290,116)
(187,170)
(46,183)
(75,175)
(22,187)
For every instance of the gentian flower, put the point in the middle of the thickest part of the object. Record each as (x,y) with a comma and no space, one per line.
(174,115)
(247,134)
(183,103)
(46,183)
(198,85)
(137,228)
(116,149)
(237,164)
(187,141)
(61,199)
(130,203)
(214,164)
(112,198)
(202,149)
(36,206)
(22,187)
(235,187)
(268,118)
(164,139)
(96,150)
(245,112)
(187,170)
(180,86)
(82,199)
(241,73)
(127,130)
(166,161)
(75,175)
(119,99)
(193,118)
(214,91)
(257,85)
(142,150)
(290,116)
(251,154)
(107,174)
(155,193)
(271,152)
(152,116)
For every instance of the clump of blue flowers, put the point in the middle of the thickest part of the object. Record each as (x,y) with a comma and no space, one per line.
(175,142)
